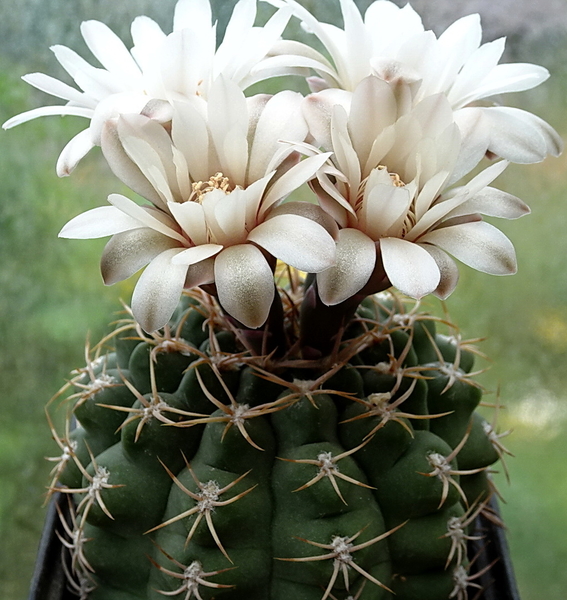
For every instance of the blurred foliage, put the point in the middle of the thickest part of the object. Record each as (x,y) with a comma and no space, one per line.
(52,295)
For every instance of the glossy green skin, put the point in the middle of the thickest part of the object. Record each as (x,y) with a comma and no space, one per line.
(279,502)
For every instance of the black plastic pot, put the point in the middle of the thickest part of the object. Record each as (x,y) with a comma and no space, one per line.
(490,557)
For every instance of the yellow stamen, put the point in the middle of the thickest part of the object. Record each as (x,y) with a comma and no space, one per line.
(217,182)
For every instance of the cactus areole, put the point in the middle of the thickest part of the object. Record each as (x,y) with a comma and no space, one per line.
(276,417)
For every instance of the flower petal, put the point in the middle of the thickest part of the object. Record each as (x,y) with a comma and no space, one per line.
(505,78)
(317,110)
(245,284)
(190,134)
(299,242)
(493,203)
(200,273)
(228,123)
(57,88)
(409,267)
(196,254)
(478,245)
(356,259)
(373,109)
(191,219)
(46,111)
(147,217)
(147,35)
(447,268)
(75,149)
(124,167)
(99,222)
(158,290)
(192,14)
(280,119)
(292,179)
(109,50)
(384,207)
(129,251)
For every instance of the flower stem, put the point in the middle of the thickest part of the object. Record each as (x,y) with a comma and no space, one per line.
(322,326)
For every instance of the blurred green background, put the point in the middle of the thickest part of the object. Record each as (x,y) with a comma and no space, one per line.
(51,293)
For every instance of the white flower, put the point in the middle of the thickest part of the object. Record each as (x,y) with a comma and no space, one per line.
(388,189)
(216,183)
(158,66)
(392,43)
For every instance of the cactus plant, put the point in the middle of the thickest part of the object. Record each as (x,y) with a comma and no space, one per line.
(202,469)
(271,419)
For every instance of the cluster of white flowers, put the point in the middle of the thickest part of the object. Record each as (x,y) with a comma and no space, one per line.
(385,140)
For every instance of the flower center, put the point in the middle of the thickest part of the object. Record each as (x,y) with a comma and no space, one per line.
(217,182)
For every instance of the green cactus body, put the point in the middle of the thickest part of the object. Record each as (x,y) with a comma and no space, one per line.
(199,470)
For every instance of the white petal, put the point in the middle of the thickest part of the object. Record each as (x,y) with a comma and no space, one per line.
(308,211)
(520,136)
(46,111)
(245,284)
(99,222)
(75,149)
(345,155)
(322,30)
(384,208)
(493,203)
(192,14)
(409,267)
(147,217)
(456,44)
(146,32)
(114,106)
(238,41)
(158,290)
(280,119)
(330,200)
(186,61)
(292,179)
(149,146)
(226,215)
(480,63)
(317,110)
(356,259)
(296,64)
(129,251)
(505,78)
(57,88)
(147,36)
(447,268)
(191,219)
(478,245)
(124,167)
(190,134)
(485,177)
(228,122)
(373,109)
(109,49)
(70,60)
(200,273)
(297,241)
(358,43)
(196,254)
